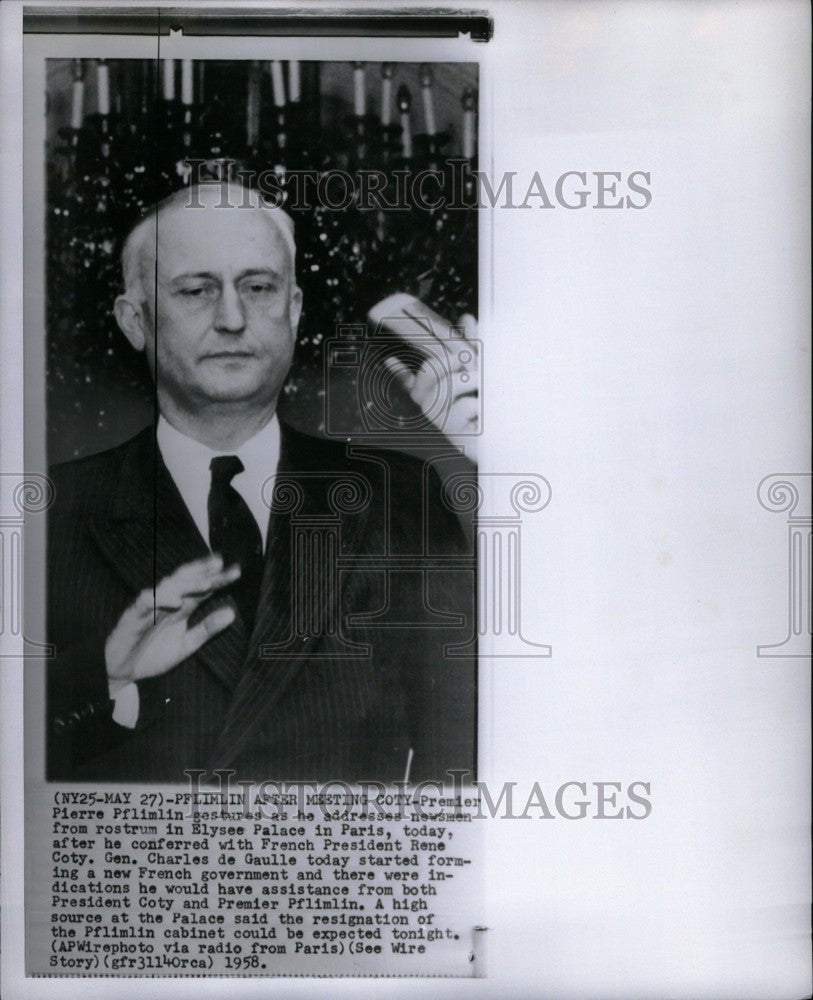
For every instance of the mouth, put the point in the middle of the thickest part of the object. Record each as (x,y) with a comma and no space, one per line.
(227,355)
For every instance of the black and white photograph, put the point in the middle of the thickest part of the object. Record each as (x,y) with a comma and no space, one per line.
(271,267)
(405,500)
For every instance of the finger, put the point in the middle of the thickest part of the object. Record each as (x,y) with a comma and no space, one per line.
(425,390)
(463,383)
(144,604)
(147,606)
(465,367)
(190,584)
(212,563)
(463,417)
(216,582)
(465,355)
(191,575)
(211,625)
(469,324)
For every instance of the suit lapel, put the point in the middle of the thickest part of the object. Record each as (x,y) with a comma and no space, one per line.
(147,533)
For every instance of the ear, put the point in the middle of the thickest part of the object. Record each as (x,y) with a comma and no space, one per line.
(131,321)
(295,307)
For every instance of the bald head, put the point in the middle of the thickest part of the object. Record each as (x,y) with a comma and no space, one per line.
(138,255)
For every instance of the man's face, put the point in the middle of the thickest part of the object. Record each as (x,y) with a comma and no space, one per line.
(226,308)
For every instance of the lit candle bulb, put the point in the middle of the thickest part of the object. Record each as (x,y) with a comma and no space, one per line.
(278,83)
(294,90)
(386,92)
(186,81)
(359,96)
(404,99)
(468,123)
(428,102)
(252,104)
(169,79)
(78,94)
(103,87)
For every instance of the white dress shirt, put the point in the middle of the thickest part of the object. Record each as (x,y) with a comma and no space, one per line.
(188,462)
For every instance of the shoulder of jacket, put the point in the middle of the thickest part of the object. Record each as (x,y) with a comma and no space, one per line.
(92,475)
(335,454)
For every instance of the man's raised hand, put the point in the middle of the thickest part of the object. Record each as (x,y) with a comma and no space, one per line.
(153,634)
(445,386)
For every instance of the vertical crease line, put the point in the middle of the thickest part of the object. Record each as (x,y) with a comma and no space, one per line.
(155,413)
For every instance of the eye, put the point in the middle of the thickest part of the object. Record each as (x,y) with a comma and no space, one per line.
(258,288)
(200,291)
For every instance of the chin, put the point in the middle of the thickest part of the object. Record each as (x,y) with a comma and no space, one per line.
(239,390)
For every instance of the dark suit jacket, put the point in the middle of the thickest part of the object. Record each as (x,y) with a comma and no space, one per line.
(333,697)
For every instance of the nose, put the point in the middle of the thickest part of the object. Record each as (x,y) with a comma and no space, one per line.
(229,317)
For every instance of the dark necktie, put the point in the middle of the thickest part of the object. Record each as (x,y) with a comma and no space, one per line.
(234,534)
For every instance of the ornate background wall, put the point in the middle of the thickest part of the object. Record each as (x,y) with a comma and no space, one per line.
(118,132)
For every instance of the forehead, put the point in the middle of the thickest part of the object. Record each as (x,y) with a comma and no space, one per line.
(218,241)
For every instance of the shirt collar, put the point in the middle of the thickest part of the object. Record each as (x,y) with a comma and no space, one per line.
(184,453)
(188,462)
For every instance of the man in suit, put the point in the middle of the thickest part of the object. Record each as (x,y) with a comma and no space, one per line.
(195,631)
